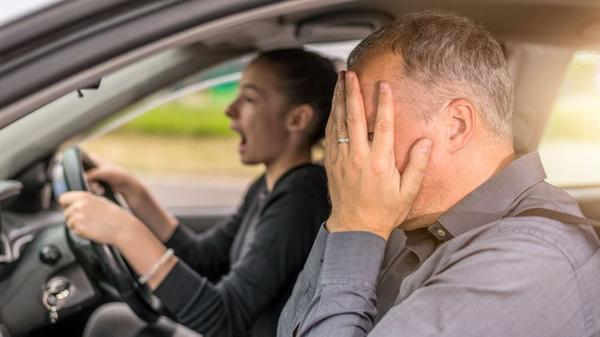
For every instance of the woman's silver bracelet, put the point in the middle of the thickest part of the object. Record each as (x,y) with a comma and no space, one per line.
(155,267)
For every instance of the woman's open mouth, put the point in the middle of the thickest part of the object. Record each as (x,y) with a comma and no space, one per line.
(243,140)
(242,144)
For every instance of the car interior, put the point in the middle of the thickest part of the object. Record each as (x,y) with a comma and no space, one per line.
(77,100)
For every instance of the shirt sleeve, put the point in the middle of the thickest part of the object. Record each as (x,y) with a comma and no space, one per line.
(282,241)
(208,253)
(511,284)
(345,301)
(304,288)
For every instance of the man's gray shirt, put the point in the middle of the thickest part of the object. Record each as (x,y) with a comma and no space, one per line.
(477,271)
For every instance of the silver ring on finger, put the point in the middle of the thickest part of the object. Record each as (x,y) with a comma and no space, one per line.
(343,140)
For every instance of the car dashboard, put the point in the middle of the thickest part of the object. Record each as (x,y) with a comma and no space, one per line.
(35,256)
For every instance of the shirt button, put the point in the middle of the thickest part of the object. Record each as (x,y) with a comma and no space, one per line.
(441,233)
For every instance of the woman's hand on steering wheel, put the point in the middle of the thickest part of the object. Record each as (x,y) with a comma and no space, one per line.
(98,219)
(139,199)
(117,177)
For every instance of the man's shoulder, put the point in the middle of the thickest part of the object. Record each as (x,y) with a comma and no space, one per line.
(531,234)
(576,242)
(546,195)
(515,268)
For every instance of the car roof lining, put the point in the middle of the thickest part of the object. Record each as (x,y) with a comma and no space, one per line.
(573,23)
(566,28)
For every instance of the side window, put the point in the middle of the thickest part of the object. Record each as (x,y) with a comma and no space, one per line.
(179,142)
(570,147)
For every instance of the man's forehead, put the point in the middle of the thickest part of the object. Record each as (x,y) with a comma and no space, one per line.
(371,74)
(378,62)
(369,85)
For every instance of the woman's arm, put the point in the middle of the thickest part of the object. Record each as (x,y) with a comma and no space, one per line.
(208,253)
(139,199)
(145,206)
(102,221)
(282,241)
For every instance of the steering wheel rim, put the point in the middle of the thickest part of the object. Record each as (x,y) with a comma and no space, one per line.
(138,296)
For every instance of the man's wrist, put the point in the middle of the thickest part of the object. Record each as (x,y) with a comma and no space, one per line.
(334,226)
(354,256)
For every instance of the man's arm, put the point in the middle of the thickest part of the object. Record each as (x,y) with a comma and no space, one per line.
(304,288)
(345,301)
(369,199)
(504,283)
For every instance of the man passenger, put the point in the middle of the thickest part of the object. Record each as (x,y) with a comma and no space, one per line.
(427,235)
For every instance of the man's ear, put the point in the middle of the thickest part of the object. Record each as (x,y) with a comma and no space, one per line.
(299,118)
(461,116)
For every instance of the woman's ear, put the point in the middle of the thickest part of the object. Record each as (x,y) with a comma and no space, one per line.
(299,118)
(461,116)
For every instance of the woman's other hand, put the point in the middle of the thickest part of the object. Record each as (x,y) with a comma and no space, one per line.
(139,199)
(117,177)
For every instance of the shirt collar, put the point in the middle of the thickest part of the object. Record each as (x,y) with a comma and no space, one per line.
(421,243)
(492,199)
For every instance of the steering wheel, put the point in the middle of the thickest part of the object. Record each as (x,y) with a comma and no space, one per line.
(69,175)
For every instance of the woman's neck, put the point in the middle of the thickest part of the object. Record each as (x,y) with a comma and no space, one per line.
(279,167)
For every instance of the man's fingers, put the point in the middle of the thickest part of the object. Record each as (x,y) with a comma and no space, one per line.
(383,133)
(330,129)
(355,116)
(413,174)
(340,111)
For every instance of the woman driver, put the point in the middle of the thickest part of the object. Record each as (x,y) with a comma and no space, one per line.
(234,279)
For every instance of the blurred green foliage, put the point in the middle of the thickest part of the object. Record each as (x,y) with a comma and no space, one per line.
(200,114)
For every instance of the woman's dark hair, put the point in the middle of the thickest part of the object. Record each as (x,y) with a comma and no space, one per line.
(306,78)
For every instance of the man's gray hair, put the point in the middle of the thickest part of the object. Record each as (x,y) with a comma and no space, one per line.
(447,56)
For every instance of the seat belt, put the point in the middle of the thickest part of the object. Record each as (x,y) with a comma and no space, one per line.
(561,217)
